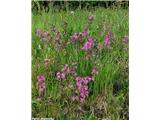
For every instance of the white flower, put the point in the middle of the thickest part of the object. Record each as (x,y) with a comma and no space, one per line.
(72,12)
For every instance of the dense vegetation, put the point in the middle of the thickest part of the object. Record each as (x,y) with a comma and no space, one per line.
(80,64)
(38,6)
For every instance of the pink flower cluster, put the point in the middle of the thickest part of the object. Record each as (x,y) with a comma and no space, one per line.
(89,44)
(41,85)
(40,33)
(78,35)
(82,86)
(108,39)
(67,70)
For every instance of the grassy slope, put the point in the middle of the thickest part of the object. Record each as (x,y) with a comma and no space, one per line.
(111,85)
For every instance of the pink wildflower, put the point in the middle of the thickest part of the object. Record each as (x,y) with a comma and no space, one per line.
(41,85)
(94,71)
(89,44)
(107,42)
(85,81)
(47,34)
(125,39)
(44,85)
(74,98)
(84,33)
(39,33)
(75,36)
(41,78)
(99,46)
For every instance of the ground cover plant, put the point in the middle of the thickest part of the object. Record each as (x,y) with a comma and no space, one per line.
(80,64)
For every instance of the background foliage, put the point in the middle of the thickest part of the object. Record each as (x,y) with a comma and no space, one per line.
(38,6)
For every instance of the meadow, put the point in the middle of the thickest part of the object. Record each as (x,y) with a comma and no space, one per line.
(80,65)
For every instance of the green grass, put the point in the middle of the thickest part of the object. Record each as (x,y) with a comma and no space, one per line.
(109,96)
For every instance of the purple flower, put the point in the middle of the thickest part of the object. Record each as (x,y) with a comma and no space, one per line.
(92,79)
(85,81)
(83,87)
(78,78)
(41,78)
(74,67)
(125,39)
(89,44)
(107,42)
(63,76)
(65,67)
(94,71)
(47,34)
(40,90)
(99,46)
(44,85)
(74,98)
(79,84)
(84,33)
(41,85)
(113,37)
(58,75)
(110,34)
(82,95)
(39,33)
(75,36)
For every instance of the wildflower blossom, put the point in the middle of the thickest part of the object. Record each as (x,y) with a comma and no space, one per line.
(125,39)
(66,71)
(89,44)
(39,33)
(75,36)
(94,71)
(85,33)
(82,86)
(74,98)
(98,46)
(107,42)
(41,78)
(110,35)
(61,75)
(47,34)
(41,85)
